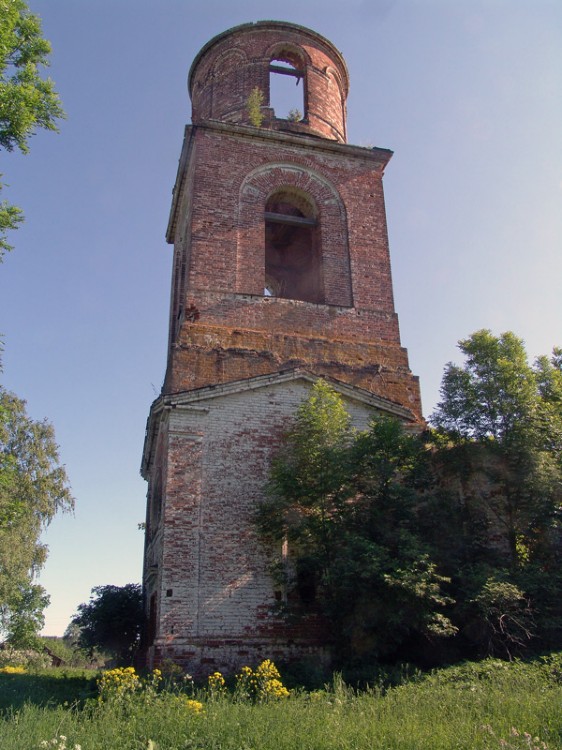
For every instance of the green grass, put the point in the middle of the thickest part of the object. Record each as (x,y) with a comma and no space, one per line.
(45,688)
(467,707)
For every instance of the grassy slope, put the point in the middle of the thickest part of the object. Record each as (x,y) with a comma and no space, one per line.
(472,706)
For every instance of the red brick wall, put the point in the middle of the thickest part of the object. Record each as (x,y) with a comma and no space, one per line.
(233,63)
(232,172)
(224,327)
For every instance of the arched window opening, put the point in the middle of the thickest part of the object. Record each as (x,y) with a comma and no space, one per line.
(156,504)
(293,259)
(286,90)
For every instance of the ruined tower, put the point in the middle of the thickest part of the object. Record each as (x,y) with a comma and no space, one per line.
(281,275)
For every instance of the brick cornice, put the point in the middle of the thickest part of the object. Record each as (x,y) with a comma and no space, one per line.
(378,157)
(381,156)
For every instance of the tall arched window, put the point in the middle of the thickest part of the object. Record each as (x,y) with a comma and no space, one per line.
(155,504)
(293,257)
(286,88)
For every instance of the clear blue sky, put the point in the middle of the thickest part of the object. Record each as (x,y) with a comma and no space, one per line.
(468,93)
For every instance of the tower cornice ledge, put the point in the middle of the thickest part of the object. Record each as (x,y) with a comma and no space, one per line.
(379,155)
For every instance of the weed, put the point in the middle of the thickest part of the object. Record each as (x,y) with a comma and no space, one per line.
(254,105)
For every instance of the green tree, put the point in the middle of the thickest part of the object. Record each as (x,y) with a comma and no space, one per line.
(345,502)
(25,618)
(33,487)
(308,475)
(493,396)
(397,590)
(504,416)
(111,621)
(499,438)
(27,101)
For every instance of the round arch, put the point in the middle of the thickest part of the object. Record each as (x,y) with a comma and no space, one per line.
(332,247)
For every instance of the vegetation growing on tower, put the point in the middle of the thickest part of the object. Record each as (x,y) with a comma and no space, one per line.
(436,546)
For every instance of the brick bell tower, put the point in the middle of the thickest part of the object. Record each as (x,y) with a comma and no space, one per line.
(281,275)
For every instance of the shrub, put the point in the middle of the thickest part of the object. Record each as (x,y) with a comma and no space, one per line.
(28,658)
(254,105)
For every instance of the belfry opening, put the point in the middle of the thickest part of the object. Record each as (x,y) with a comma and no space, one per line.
(293,253)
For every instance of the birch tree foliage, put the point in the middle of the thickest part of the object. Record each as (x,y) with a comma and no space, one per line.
(28,101)
(33,488)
